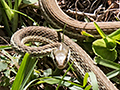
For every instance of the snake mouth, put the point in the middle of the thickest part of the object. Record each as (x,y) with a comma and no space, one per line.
(61,67)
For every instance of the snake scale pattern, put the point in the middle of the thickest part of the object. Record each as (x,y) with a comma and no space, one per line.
(82,62)
(57,18)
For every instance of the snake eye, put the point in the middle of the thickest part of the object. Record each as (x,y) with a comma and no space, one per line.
(61,56)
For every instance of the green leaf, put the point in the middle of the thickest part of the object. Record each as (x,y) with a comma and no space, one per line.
(88,87)
(102,34)
(40,82)
(93,81)
(17,4)
(75,88)
(110,44)
(85,79)
(47,72)
(86,34)
(5,47)
(102,50)
(107,63)
(30,1)
(3,66)
(115,35)
(24,72)
(9,3)
(30,84)
(113,73)
(70,67)
(50,80)
(7,9)
(16,11)
(6,23)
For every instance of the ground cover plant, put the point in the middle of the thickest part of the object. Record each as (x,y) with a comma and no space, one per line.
(21,72)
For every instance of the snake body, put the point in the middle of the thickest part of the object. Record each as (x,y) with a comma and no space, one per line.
(54,15)
(82,62)
(57,18)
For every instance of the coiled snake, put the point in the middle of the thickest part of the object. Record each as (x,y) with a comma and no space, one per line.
(82,62)
(54,15)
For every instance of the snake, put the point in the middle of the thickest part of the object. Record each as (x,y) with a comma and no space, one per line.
(82,62)
(57,18)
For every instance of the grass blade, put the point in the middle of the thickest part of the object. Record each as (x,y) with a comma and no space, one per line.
(113,74)
(24,72)
(5,47)
(99,30)
(6,24)
(107,63)
(93,81)
(7,9)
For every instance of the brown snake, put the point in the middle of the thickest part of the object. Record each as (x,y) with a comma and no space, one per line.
(54,15)
(82,62)
(57,18)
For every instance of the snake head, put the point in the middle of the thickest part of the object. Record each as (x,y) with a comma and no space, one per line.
(61,56)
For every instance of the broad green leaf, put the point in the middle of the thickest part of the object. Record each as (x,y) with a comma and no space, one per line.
(107,63)
(110,44)
(113,73)
(115,35)
(30,1)
(3,66)
(100,49)
(102,34)
(7,9)
(93,81)
(24,72)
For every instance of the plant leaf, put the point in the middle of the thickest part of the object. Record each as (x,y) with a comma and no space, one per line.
(3,66)
(102,34)
(47,72)
(107,63)
(86,34)
(7,9)
(115,35)
(113,74)
(30,1)
(110,44)
(100,49)
(24,72)
(88,87)
(85,79)
(5,47)
(93,81)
